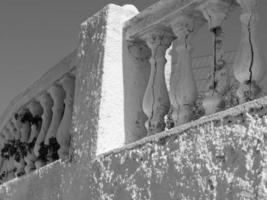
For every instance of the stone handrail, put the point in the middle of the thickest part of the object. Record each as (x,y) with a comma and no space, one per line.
(150,107)
(35,125)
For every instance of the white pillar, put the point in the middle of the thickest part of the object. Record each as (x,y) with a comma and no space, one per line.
(23,124)
(39,149)
(57,93)
(249,64)
(215,11)
(156,102)
(136,70)
(183,90)
(63,134)
(17,132)
(36,110)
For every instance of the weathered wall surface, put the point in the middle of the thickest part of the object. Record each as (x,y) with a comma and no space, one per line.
(99,81)
(218,157)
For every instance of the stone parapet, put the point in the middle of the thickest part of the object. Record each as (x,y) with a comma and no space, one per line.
(219,156)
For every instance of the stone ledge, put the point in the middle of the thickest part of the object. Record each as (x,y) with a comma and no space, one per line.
(244,108)
(162,13)
(197,160)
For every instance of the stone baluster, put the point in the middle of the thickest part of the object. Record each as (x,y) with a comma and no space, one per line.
(57,93)
(249,64)
(40,150)
(17,130)
(16,160)
(215,11)
(8,136)
(36,122)
(156,102)
(13,130)
(63,133)
(23,116)
(183,91)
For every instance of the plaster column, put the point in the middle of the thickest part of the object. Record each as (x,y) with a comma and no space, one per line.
(36,123)
(215,11)
(136,70)
(40,150)
(156,102)
(57,93)
(23,123)
(12,129)
(183,91)
(17,132)
(63,134)
(249,64)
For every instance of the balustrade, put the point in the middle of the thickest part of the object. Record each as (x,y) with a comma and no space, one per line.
(42,125)
(178,27)
(28,141)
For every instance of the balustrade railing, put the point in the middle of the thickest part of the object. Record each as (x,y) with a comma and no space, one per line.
(35,129)
(176,23)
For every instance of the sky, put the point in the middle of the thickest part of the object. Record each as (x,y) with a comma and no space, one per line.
(37,34)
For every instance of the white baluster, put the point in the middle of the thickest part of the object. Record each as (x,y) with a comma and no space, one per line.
(63,134)
(23,124)
(17,130)
(57,93)
(36,124)
(39,149)
(249,64)
(36,111)
(215,11)
(183,91)
(156,102)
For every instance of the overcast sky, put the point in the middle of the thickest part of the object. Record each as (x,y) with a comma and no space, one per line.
(36,34)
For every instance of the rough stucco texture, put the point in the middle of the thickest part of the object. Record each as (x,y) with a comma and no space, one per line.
(222,157)
(217,157)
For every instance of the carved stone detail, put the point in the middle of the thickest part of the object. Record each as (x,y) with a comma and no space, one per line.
(23,124)
(63,134)
(57,93)
(249,64)
(219,80)
(40,149)
(36,111)
(215,11)
(36,123)
(183,91)
(156,102)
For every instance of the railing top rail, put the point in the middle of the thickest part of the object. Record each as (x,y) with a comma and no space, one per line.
(162,13)
(44,82)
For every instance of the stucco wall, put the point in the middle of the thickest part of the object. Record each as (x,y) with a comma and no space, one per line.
(217,157)
(222,156)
